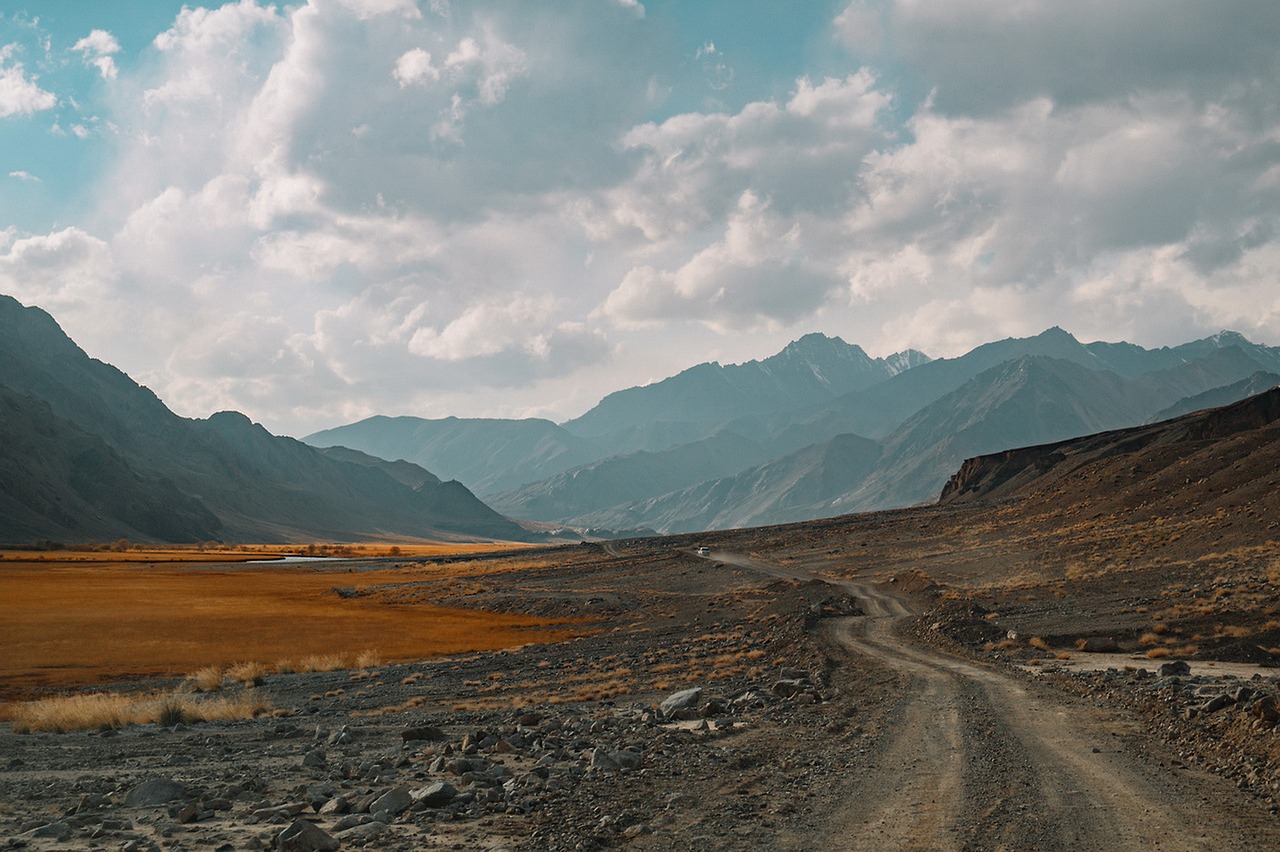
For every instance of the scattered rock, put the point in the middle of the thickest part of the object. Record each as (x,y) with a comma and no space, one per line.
(157,791)
(302,836)
(685,699)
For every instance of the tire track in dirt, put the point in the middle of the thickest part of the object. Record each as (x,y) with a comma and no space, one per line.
(980,759)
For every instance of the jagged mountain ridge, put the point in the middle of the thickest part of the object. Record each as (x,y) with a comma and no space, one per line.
(708,397)
(1032,399)
(89,454)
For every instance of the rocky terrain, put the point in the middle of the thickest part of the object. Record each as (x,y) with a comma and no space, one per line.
(1083,661)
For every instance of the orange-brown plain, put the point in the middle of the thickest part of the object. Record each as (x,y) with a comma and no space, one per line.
(75,622)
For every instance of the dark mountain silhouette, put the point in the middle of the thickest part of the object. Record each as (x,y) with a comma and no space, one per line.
(88,454)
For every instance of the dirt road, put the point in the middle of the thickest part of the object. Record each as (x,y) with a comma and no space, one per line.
(985,759)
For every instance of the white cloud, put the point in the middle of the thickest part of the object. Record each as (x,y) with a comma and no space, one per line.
(330,208)
(97,49)
(65,270)
(414,66)
(24,176)
(19,93)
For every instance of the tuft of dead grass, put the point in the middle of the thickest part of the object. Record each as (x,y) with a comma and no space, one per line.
(207,679)
(101,711)
(249,673)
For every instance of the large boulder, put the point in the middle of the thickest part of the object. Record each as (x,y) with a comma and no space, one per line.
(685,699)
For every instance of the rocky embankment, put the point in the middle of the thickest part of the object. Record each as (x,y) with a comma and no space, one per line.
(1222,723)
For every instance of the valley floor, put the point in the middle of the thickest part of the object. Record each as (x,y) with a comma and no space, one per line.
(853,691)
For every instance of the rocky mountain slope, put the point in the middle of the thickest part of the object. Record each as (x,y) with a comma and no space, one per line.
(87,454)
(1223,456)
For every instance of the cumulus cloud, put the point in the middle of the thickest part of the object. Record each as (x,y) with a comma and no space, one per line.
(19,92)
(337,207)
(414,66)
(97,49)
(987,55)
(68,269)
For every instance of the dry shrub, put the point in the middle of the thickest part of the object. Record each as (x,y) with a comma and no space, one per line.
(107,710)
(1037,642)
(1148,639)
(249,673)
(1158,653)
(1186,651)
(207,679)
(317,663)
(368,659)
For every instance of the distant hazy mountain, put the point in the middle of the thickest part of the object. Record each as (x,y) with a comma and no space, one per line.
(1251,386)
(630,477)
(708,397)
(1024,401)
(87,454)
(796,487)
(878,410)
(489,455)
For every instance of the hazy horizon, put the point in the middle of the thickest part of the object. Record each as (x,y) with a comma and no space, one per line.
(315,212)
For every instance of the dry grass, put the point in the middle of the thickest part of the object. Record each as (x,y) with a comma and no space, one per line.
(143,621)
(206,679)
(1158,653)
(1037,642)
(104,711)
(249,673)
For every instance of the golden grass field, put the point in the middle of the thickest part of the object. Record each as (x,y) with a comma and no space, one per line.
(95,617)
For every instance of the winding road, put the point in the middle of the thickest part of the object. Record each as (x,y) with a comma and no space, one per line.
(980,758)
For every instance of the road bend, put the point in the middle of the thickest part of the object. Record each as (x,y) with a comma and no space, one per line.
(979,758)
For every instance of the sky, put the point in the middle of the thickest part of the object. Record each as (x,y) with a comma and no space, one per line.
(316,212)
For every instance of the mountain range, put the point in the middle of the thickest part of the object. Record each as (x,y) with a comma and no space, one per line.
(86,454)
(817,430)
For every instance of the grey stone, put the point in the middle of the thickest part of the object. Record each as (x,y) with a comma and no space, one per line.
(315,759)
(365,832)
(302,836)
(395,802)
(60,830)
(1177,667)
(685,699)
(336,806)
(156,791)
(434,795)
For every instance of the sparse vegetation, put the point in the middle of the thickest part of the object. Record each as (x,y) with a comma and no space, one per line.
(99,711)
